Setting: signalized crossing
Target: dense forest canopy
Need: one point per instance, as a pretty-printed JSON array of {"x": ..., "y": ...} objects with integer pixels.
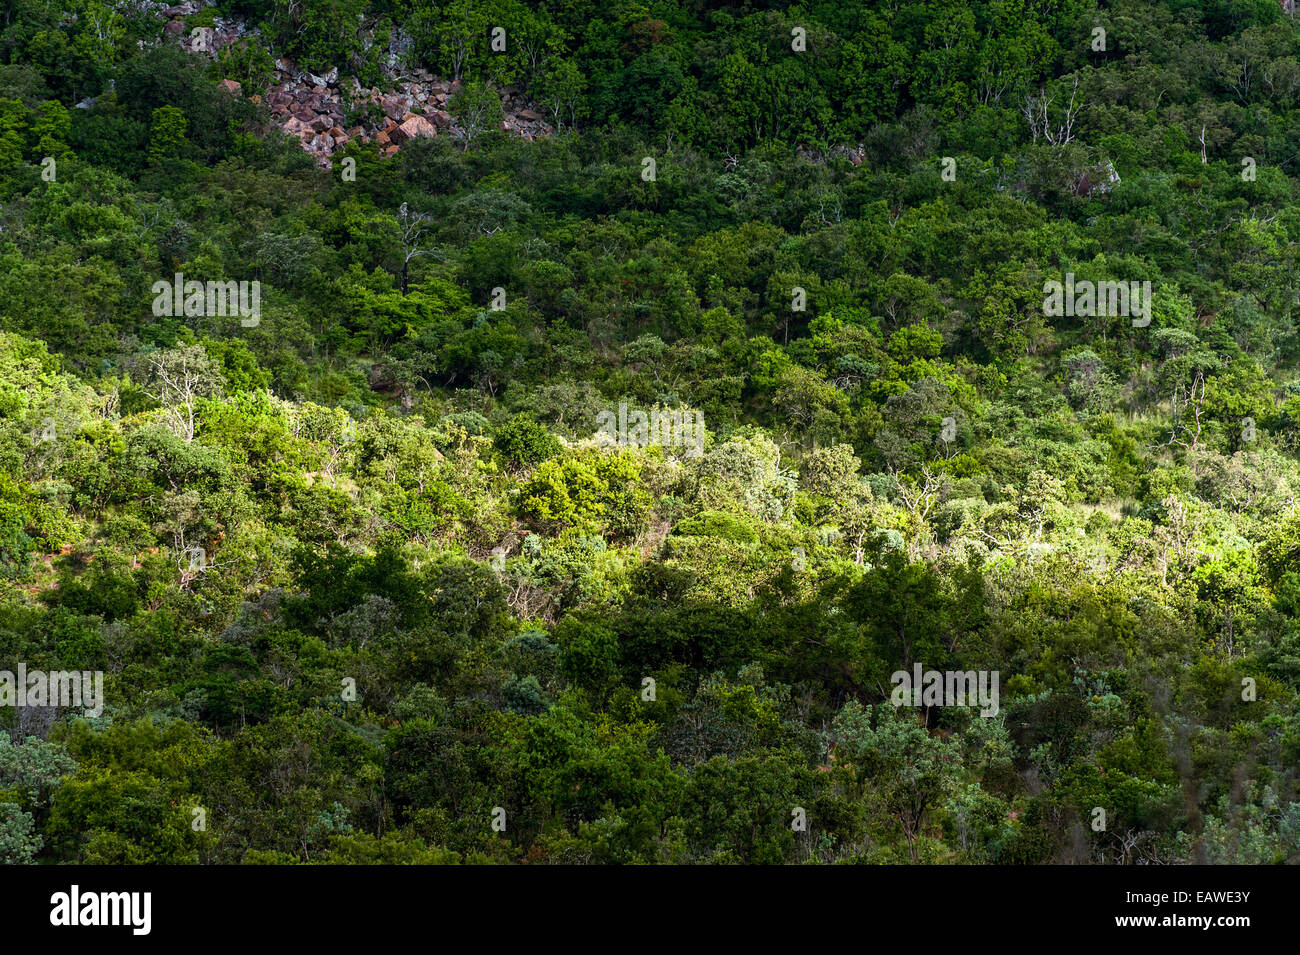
[{"x": 574, "y": 497}]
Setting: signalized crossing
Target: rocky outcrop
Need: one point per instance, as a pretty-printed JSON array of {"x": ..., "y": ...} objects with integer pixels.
[
  {"x": 325, "y": 113},
  {"x": 856, "y": 155}
]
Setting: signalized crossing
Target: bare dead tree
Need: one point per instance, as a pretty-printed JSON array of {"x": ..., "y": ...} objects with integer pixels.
[
  {"x": 177, "y": 378},
  {"x": 1036, "y": 110},
  {"x": 1239, "y": 78},
  {"x": 920, "y": 496},
  {"x": 414, "y": 228},
  {"x": 1193, "y": 399}
]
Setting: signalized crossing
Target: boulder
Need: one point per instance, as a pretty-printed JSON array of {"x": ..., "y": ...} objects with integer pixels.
[
  {"x": 296, "y": 127},
  {"x": 415, "y": 126},
  {"x": 231, "y": 86},
  {"x": 531, "y": 115}
]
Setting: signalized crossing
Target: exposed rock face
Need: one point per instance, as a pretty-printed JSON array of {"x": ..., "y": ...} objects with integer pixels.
[
  {"x": 1098, "y": 179},
  {"x": 312, "y": 106},
  {"x": 854, "y": 154}
]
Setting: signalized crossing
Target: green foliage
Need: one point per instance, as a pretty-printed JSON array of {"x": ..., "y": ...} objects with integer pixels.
[
  {"x": 365, "y": 571},
  {"x": 167, "y": 134}
]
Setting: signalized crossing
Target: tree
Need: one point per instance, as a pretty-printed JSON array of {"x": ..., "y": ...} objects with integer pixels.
[
  {"x": 477, "y": 109},
  {"x": 563, "y": 89},
  {"x": 178, "y": 378},
  {"x": 13, "y": 125},
  {"x": 167, "y": 134},
  {"x": 51, "y": 129},
  {"x": 414, "y": 228},
  {"x": 913, "y": 772},
  {"x": 522, "y": 442},
  {"x": 19, "y": 840}
]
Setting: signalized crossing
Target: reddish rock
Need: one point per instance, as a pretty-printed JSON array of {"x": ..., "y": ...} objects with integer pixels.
[
  {"x": 416, "y": 126},
  {"x": 255, "y": 98},
  {"x": 381, "y": 137},
  {"x": 531, "y": 115},
  {"x": 296, "y": 127},
  {"x": 231, "y": 86},
  {"x": 440, "y": 118},
  {"x": 390, "y": 151}
]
